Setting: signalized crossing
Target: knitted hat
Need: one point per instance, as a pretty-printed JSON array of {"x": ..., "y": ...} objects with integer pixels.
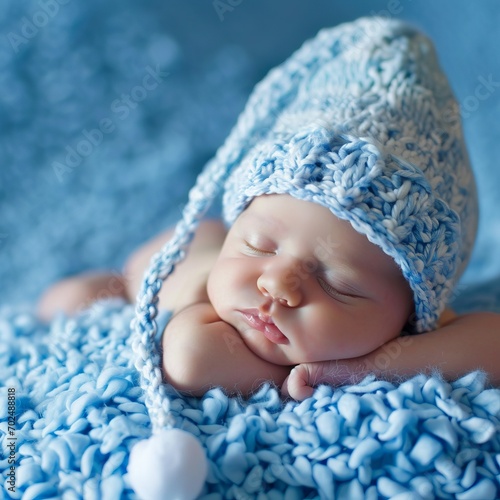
[{"x": 361, "y": 120}]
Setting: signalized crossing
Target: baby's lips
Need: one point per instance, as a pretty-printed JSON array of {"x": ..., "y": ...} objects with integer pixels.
[
  {"x": 266, "y": 318},
  {"x": 264, "y": 324}
]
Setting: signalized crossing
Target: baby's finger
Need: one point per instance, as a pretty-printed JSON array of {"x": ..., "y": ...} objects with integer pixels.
[{"x": 296, "y": 385}]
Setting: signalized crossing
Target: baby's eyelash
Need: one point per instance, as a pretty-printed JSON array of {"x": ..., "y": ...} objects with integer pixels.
[
  {"x": 256, "y": 250},
  {"x": 331, "y": 290}
]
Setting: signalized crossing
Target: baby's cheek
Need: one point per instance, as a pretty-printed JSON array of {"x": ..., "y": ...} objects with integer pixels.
[
  {"x": 231, "y": 285},
  {"x": 213, "y": 285},
  {"x": 220, "y": 286}
]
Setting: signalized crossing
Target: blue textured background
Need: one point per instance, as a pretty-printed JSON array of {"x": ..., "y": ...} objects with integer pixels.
[{"x": 64, "y": 68}]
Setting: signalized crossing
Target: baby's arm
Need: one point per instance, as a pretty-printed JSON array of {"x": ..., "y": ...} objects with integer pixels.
[
  {"x": 201, "y": 351},
  {"x": 465, "y": 343}
]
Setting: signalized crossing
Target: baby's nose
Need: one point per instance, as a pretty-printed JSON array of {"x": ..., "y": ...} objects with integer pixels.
[{"x": 278, "y": 285}]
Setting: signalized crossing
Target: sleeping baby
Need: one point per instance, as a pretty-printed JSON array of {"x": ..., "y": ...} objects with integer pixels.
[{"x": 349, "y": 214}]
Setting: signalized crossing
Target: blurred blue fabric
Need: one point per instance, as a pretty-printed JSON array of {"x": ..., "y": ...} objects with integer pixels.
[{"x": 108, "y": 110}]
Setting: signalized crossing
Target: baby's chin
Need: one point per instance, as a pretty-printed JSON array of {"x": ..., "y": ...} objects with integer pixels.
[{"x": 263, "y": 348}]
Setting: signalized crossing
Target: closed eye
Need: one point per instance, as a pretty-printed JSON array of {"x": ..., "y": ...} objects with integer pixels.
[
  {"x": 332, "y": 291},
  {"x": 257, "y": 251}
]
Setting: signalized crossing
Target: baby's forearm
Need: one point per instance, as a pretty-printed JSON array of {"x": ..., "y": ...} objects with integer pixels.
[
  {"x": 201, "y": 351},
  {"x": 469, "y": 342}
]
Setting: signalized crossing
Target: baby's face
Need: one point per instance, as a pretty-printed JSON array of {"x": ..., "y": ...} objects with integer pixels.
[{"x": 301, "y": 285}]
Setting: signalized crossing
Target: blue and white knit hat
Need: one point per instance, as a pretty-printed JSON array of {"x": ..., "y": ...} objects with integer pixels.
[{"x": 361, "y": 120}]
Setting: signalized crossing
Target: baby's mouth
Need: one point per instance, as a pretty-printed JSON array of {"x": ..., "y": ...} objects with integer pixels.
[{"x": 265, "y": 324}]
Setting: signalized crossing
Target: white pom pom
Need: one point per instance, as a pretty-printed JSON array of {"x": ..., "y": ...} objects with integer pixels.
[{"x": 170, "y": 464}]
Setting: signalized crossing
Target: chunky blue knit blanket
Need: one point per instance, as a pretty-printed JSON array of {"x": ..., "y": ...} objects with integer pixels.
[{"x": 79, "y": 410}]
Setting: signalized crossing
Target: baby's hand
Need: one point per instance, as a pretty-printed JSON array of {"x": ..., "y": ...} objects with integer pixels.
[{"x": 303, "y": 379}]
